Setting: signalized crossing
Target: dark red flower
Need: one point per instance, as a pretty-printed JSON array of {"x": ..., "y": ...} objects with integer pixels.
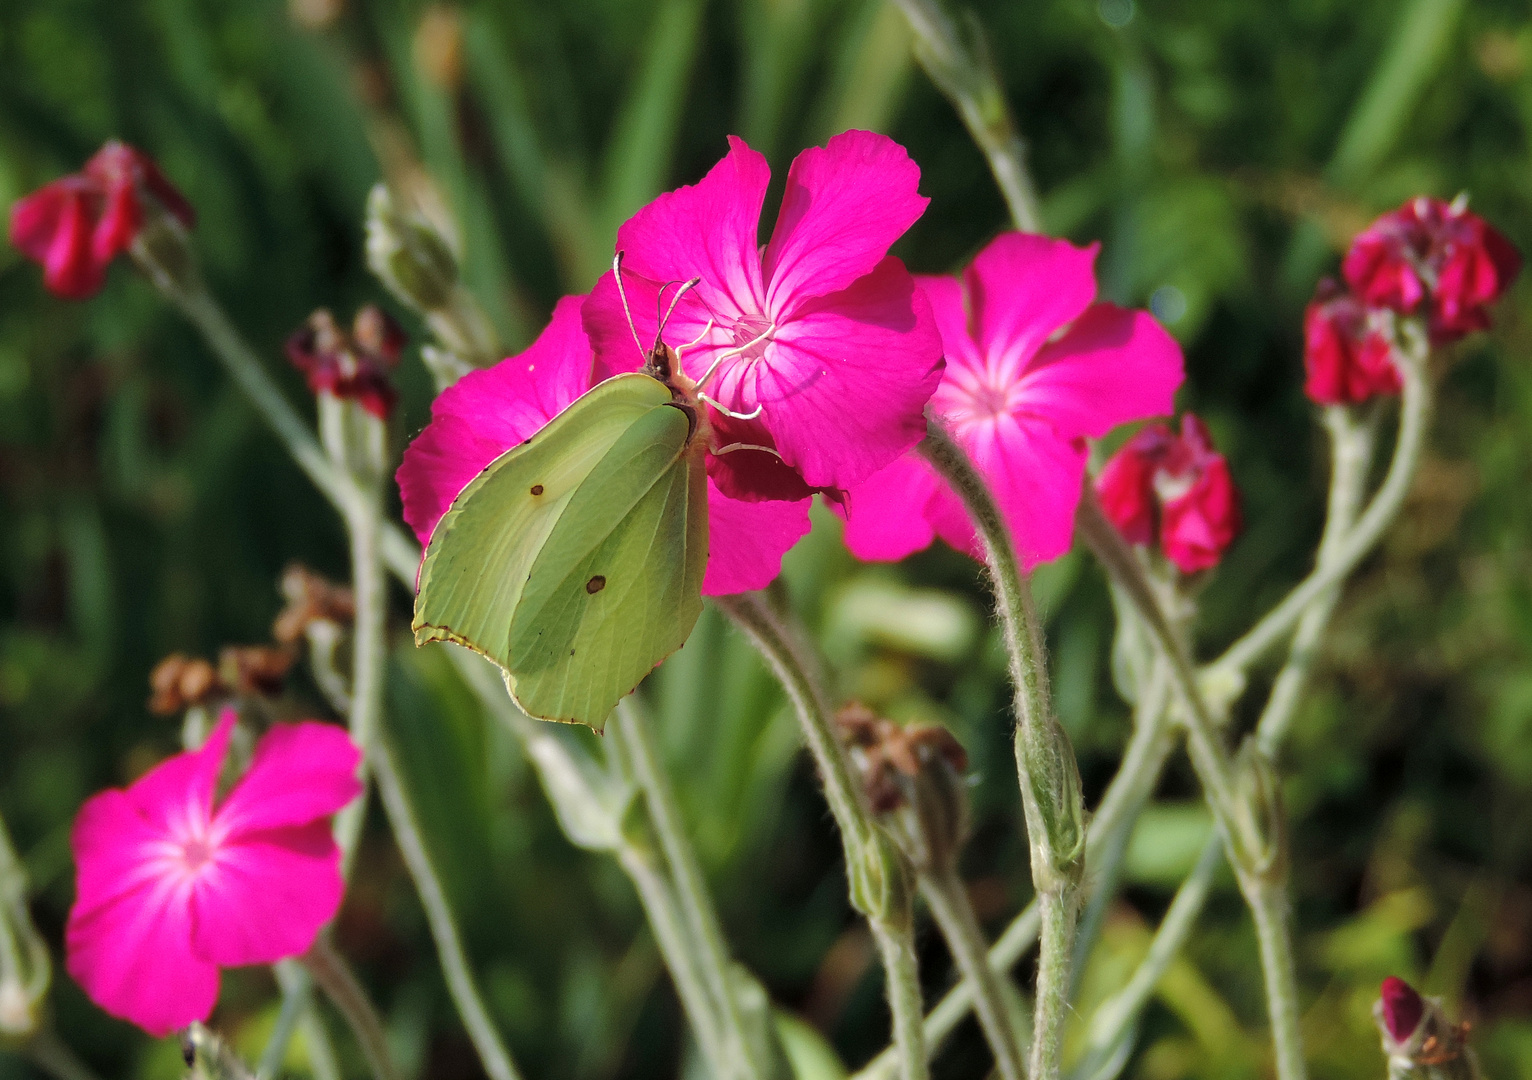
[
  {"x": 1175, "y": 489},
  {"x": 1403, "y": 1008},
  {"x": 1348, "y": 348},
  {"x": 76, "y": 225},
  {"x": 1436, "y": 251},
  {"x": 350, "y": 366}
]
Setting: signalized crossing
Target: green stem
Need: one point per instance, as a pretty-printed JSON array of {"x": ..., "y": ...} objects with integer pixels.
[
  {"x": 1050, "y": 778},
  {"x": 1351, "y": 452},
  {"x": 1414, "y": 419},
  {"x": 947, "y": 897},
  {"x": 54, "y": 1057},
  {"x": 1112, "y": 1025},
  {"x": 340, "y": 985},
  {"x": 1273, "y": 918},
  {"x": 433, "y": 897},
  {"x": 875, "y": 871},
  {"x": 696, "y": 903},
  {"x": 966, "y": 75},
  {"x": 296, "y": 984}
]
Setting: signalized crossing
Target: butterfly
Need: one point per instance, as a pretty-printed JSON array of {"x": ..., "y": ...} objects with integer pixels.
[{"x": 574, "y": 561}]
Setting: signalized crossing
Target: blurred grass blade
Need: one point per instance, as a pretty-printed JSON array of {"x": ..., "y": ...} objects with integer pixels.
[{"x": 870, "y": 70}]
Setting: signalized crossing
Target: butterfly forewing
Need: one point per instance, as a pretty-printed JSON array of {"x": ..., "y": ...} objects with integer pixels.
[
  {"x": 617, "y": 588},
  {"x": 482, "y": 550},
  {"x": 575, "y": 560}
]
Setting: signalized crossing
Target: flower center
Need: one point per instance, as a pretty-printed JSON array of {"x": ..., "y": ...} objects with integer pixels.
[
  {"x": 751, "y": 334},
  {"x": 990, "y": 402},
  {"x": 197, "y": 853}
]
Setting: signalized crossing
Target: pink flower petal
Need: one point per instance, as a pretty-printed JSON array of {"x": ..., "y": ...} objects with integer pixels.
[
  {"x": 1111, "y": 367},
  {"x": 116, "y": 851},
  {"x": 266, "y": 895},
  {"x": 746, "y": 541},
  {"x": 844, "y": 385},
  {"x": 485, "y": 413},
  {"x": 300, "y": 773},
  {"x": 611, "y": 337},
  {"x": 1036, "y": 478},
  {"x": 133, "y": 955},
  {"x": 176, "y": 796},
  {"x": 843, "y": 207},
  {"x": 951, "y": 311},
  {"x": 1021, "y": 289},
  {"x": 886, "y": 515},
  {"x": 711, "y": 229}
]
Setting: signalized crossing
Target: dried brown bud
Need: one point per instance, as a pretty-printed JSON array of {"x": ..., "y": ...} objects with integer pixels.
[
  {"x": 310, "y": 598},
  {"x": 180, "y": 681},
  {"x": 255, "y": 669}
]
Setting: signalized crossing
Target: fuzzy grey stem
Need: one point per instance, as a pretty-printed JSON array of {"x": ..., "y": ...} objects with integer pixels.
[
  {"x": 901, "y": 967},
  {"x": 340, "y": 985}
]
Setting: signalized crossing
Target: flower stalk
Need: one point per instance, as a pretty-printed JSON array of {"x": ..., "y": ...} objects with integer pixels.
[
  {"x": 875, "y": 869},
  {"x": 1050, "y": 778},
  {"x": 335, "y": 977}
]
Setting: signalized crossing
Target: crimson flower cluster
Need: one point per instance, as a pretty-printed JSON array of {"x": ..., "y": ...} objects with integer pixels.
[
  {"x": 354, "y": 365},
  {"x": 1431, "y": 259},
  {"x": 76, "y": 225},
  {"x": 1173, "y": 489}
]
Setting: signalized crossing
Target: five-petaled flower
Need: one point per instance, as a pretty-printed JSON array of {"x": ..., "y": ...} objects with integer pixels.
[
  {"x": 1348, "y": 348},
  {"x": 1174, "y": 489},
  {"x": 174, "y": 885},
  {"x": 76, "y": 225},
  {"x": 821, "y": 339},
  {"x": 1034, "y": 367},
  {"x": 352, "y": 366},
  {"x": 1436, "y": 252},
  {"x": 487, "y": 412}
]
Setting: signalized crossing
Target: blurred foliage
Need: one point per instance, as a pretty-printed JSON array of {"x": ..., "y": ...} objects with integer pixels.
[{"x": 1221, "y": 151}]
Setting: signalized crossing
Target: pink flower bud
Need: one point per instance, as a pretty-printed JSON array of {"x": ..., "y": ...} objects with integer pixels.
[
  {"x": 76, "y": 225},
  {"x": 1348, "y": 349},
  {"x": 1175, "y": 489},
  {"x": 1403, "y": 1008},
  {"x": 1438, "y": 252},
  {"x": 350, "y": 366}
]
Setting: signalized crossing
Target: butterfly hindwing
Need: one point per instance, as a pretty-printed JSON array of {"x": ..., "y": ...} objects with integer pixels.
[{"x": 609, "y": 489}]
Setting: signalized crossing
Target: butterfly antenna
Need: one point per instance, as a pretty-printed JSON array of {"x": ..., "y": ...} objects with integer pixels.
[
  {"x": 751, "y": 415},
  {"x": 623, "y": 296},
  {"x": 686, "y": 287}
]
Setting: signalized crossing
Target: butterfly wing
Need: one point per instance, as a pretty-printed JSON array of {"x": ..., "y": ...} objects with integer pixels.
[
  {"x": 610, "y": 482},
  {"x": 617, "y": 586}
]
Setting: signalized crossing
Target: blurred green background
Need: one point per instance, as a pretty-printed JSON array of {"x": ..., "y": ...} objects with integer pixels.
[{"x": 1222, "y": 152}]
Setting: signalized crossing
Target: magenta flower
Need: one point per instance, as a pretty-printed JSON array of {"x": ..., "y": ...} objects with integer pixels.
[
  {"x": 173, "y": 887},
  {"x": 1403, "y": 1008},
  {"x": 486, "y": 413},
  {"x": 1175, "y": 490},
  {"x": 1348, "y": 348},
  {"x": 1034, "y": 368},
  {"x": 821, "y": 336},
  {"x": 1435, "y": 251},
  {"x": 76, "y": 225}
]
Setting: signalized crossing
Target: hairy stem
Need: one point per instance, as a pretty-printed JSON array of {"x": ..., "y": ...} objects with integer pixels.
[
  {"x": 696, "y": 903},
  {"x": 1050, "y": 778},
  {"x": 964, "y": 72},
  {"x": 876, "y": 872},
  {"x": 340, "y": 985},
  {"x": 1414, "y": 419},
  {"x": 947, "y": 897},
  {"x": 296, "y": 985}
]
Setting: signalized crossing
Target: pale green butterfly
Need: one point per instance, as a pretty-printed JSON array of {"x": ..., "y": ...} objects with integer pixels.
[{"x": 575, "y": 560}]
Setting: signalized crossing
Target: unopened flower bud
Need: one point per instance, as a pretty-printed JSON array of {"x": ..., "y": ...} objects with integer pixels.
[
  {"x": 1418, "y": 1038},
  {"x": 255, "y": 670},
  {"x": 310, "y": 599},
  {"x": 178, "y": 682},
  {"x": 17, "y": 1017},
  {"x": 1348, "y": 348},
  {"x": 407, "y": 254}
]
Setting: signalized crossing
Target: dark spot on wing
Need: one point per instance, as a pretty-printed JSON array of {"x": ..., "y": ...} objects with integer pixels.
[
  {"x": 537, "y": 489},
  {"x": 596, "y": 584}
]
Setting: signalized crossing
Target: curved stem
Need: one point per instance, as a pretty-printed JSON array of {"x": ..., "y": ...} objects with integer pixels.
[
  {"x": 1351, "y": 451},
  {"x": 296, "y": 984},
  {"x": 965, "y": 74},
  {"x": 874, "y": 870},
  {"x": 1414, "y": 419},
  {"x": 947, "y": 897},
  {"x": 340, "y": 984},
  {"x": 690, "y": 885},
  {"x": 1112, "y": 1023},
  {"x": 449, "y": 943},
  {"x": 54, "y": 1057},
  {"x": 1050, "y": 779}
]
